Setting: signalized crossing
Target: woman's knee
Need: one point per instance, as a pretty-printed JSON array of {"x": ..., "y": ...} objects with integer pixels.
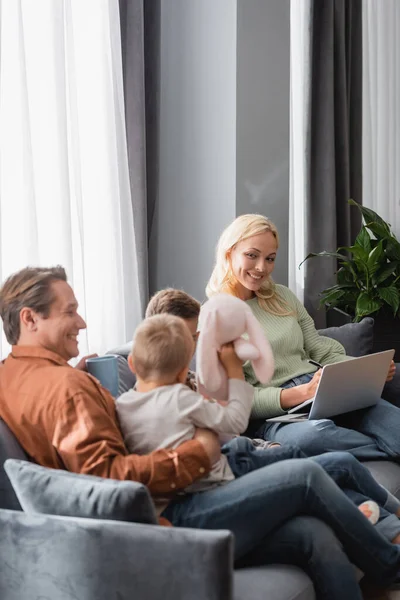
[{"x": 313, "y": 434}]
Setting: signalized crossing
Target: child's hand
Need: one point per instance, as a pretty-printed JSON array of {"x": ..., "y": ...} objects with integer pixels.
[{"x": 230, "y": 361}]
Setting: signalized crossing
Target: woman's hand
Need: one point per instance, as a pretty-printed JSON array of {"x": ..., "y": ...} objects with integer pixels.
[
  {"x": 230, "y": 361},
  {"x": 392, "y": 371},
  {"x": 300, "y": 393}
]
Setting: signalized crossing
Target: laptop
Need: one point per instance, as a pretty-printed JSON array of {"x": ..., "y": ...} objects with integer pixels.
[{"x": 344, "y": 387}]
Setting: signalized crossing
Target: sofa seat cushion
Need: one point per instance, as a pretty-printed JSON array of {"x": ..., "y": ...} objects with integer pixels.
[
  {"x": 57, "y": 492},
  {"x": 275, "y": 582},
  {"x": 387, "y": 473}
]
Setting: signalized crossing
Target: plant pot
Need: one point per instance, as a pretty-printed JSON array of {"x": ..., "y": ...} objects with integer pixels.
[{"x": 386, "y": 329}]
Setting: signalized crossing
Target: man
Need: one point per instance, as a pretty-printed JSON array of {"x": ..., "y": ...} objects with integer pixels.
[
  {"x": 71, "y": 422},
  {"x": 65, "y": 419}
]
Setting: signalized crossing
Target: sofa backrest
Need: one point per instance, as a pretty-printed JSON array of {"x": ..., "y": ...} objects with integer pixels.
[{"x": 9, "y": 448}]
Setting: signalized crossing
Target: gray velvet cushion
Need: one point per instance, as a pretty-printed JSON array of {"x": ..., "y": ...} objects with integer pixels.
[
  {"x": 61, "y": 558},
  {"x": 357, "y": 338},
  {"x": 57, "y": 492},
  {"x": 273, "y": 582},
  {"x": 122, "y": 350}
]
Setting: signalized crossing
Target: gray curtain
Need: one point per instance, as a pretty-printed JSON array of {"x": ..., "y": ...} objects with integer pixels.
[
  {"x": 140, "y": 45},
  {"x": 334, "y": 142}
]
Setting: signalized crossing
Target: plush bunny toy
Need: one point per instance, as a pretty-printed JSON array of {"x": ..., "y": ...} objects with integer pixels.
[{"x": 225, "y": 319}]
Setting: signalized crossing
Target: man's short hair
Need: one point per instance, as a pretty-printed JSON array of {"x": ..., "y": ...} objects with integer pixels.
[
  {"x": 173, "y": 302},
  {"x": 162, "y": 348},
  {"x": 31, "y": 288}
]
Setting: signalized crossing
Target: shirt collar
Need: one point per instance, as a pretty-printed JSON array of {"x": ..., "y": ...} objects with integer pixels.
[{"x": 37, "y": 352}]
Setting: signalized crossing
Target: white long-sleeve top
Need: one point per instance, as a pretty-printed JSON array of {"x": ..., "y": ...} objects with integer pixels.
[{"x": 167, "y": 416}]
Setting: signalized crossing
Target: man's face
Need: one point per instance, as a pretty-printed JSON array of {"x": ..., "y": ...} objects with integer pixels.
[
  {"x": 193, "y": 324},
  {"x": 59, "y": 331}
]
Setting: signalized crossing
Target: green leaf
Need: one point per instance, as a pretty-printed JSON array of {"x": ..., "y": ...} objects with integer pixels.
[
  {"x": 381, "y": 232},
  {"x": 324, "y": 254},
  {"x": 363, "y": 240},
  {"x": 370, "y": 216},
  {"x": 332, "y": 296},
  {"x": 344, "y": 276},
  {"x": 391, "y": 295},
  {"x": 375, "y": 258},
  {"x": 356, "y": 251},
  {"x": 385, "y": 273},
  {"x": 392, "y": 249},
  {"x": 366, "y": 305}
]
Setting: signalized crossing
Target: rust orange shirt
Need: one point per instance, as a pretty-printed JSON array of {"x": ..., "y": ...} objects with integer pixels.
[{"x": 64, "y": 419}]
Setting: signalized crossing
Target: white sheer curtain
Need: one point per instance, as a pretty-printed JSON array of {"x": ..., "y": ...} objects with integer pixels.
[
  {"x": 381, "y": 109},
  {"x": 64, "y": 181},
  {"x": 300, "y": 11}
]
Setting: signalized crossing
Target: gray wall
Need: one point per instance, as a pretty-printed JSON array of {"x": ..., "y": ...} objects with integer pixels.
[
  {"x": 197, "y": 141},
  {"x": 263, "y": 88},
  {"x": 224, "y": 131}
]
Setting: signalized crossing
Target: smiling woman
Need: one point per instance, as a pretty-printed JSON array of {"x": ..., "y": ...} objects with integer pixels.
[{"x": 245, "y": 260}]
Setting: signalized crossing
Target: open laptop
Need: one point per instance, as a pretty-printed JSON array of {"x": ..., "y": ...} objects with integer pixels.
[{"x": 346, "y": 386}]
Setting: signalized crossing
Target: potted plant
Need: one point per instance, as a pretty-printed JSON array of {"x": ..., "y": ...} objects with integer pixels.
[{"x": 368, "y": 281}]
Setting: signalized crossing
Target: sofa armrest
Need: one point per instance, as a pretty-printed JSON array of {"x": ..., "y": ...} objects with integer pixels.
[{"x": 87, "y": 559}]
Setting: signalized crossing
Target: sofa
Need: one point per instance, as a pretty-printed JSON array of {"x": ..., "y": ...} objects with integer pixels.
[
  {"x": 80, "y": 553},
  {"x": 56, "y": 557}
]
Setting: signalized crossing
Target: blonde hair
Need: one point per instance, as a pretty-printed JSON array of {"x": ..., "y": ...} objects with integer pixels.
[
  {"x": 223, "y": 280},
  {"x": 162, "y": 348}
]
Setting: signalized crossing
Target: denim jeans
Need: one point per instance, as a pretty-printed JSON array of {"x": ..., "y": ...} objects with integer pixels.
[
  {"x": 254, "y": 507},
  {"x": 348, "y": 473},
  {"x": 369, "y": 434}
]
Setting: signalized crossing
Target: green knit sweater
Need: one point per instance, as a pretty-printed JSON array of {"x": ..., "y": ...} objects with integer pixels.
[{"x": 293, "y": 340}]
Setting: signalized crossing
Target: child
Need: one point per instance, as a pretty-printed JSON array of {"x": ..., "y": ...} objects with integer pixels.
[
  {"x": 162, "y": 412},
  {"x": 180, "y": 304},
  {"x": 177, "y": 302}
]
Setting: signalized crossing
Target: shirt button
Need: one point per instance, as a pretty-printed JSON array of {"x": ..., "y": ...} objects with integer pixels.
[
  {"x": 202, "y": 470},
  {"x": 173, "y": 485}
]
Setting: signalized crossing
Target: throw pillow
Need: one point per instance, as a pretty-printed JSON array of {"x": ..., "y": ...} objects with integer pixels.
[
  {"x": 357, "y": 338},
  {"x": 57, "y": 492}
]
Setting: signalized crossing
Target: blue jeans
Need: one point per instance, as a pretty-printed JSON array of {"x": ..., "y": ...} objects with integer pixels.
[
  {"x": 348, "y": 473},
  {"x": 369, "y": 434},
  {"x": 261, "y": 507}
]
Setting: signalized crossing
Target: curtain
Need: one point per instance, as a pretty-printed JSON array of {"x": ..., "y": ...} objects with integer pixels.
[
  {"x": 64, "y": 181},
  {"x": 334, "y": 153},
  {"x": 300, "y": 30},
  {"x": 381, "y": 100},
  {"x": 140, "y": 41}
]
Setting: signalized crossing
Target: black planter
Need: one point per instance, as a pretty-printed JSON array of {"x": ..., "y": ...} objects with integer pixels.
[{"x": 386, "y": 329}]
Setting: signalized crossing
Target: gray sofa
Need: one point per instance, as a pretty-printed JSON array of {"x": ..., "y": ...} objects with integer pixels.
[
  {"x": 71, "y": 558},
  {"x": 74, "y": 558}
]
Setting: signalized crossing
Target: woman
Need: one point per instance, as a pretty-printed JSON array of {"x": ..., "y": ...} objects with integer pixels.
[{"x": 245, "y": 260}]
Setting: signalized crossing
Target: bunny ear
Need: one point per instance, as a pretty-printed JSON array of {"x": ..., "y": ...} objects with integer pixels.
[
  {"x": 209, "y": 375},
  {"x": 264, "y": 365}
]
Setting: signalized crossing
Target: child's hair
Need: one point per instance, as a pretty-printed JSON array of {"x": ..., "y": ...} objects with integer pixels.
[
  {"x": 173, "y": 302},
  {"x": 222, "y": 279},
  {"x": 162, "y": 348}
]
